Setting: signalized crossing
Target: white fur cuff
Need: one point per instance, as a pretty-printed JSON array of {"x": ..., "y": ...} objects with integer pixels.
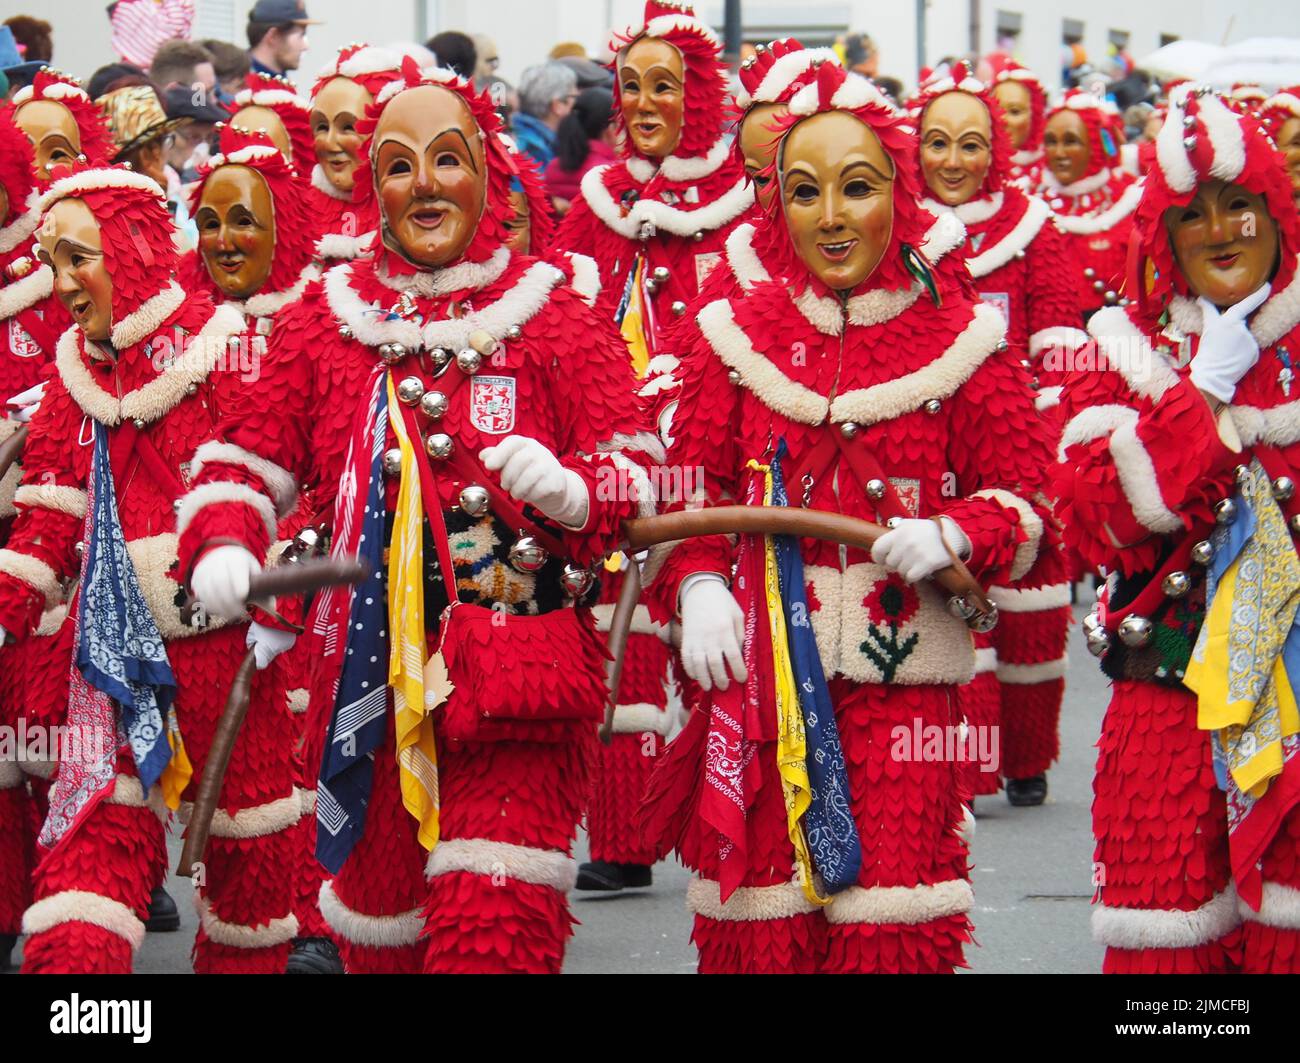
[
  {"x": 748, "y": 903},
  {"x": 372, "y": 931},
  {"x": 1158, "y": 928},
  {"x": 478, "y": 856},
  {"x": 82, "y": 906},
  {"x": 901, "y": 905},
  {"x": 236, "y": 936}
]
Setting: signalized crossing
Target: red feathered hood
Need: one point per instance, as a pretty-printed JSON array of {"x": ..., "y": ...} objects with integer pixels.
[
  {"x": 92, "y": 126},
  {"x": 1099, "y": 118},
  {"x": 1007, "y": 69},
  {"x": 960, "y": 79},
  {"x": 17, "y": 176},
  {"x": 279, "y": 95}
]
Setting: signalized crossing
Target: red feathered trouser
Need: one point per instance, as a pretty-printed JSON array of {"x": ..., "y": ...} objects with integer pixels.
[
  {"x": 491, "y": 897},
  {"x": 980, "y": 705},
  {"x": 622, "y": 769},
  {"x": 1167, "y": 902},
  {"x": 908, "y": 912},
  {"x": 92, "y": 891},
  {"x": 308, "y": 875}
]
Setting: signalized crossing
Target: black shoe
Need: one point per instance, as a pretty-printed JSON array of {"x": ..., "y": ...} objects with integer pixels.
[
  {"x": 7, "y": 943},
  {"x": 635, "y": 875},
  {"x": 163, "y": 916},
  {"x": 1025, "y": 793},
  {"x": 314, "y": 956},
  {"x": 602, "y": 876}
]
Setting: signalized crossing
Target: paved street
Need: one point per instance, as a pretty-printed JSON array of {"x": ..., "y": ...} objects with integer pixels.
[{"x": 1032, "y": 874}]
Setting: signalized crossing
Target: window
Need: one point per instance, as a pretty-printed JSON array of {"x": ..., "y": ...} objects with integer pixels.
[
  {"x": 1167, "y": 38},
  {"x": 1071, "y": 31},
  {"x": 1119, "y": 38},
  {"x": 1007, "y": 32}
]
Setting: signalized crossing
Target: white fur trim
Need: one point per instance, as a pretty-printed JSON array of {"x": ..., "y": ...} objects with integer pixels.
[
  {"x": 879, "y": 305},
  {"x": 1279, "y": 314},
  {"x": 786, "y": 70},
  {"x": 669, "y": 25},
  {"x": 368, "y": 60},
  {"x": 771, "y": 386},
  {"x": 478, "y": 856},
  {"x": 695, "y": 168},
  {"x": 24, "y": 225},
  {"x": 986, "y": 659},
  {"x": 642, "y": 624},
  {"x": 148, "y": 318},
  {"x": 1057, "y": 336},
  {"x": 51, "y": 620},
  {"x": 1283, "y": 101},
  {"x": 1279, "y": 907},
  {"x": 69, "y": 500},
  {"x": 642, "y": 718},
  {"x": 128, "y": 791},
  {"x": 259, "y": 820},
  {"x": 1020, "y": 237},
  {"x": 649, "y": 215},
  {"x": 306, "y": 802},
  {"x": 900, "y": 905},
  {"x": 1029, "y": 674},
  {"x": 1161, "y": 928},
  {"x": 1048, "y": 398},
  {"x": 35, "y": 574},
  {"x": 279, "y": 482},
  {"x": 938, "y": 380},
  {"x": 431, "y": 75},
  {"x": 857, "y": 92},
  {"x": 215, "y": 494},
  {"x": 299, "y": 699},
  {"x": 946, "y": 234},
  {"x": 586, "y": 277},
  {"x": 25, "y": 292},
  {"x": 747, "y": 904},
  {"x": 1129, "y": 353},
  {"x": 154, "y": 557},
  {"x": 40, "y": 769},
  {"x": 244, "y": 156},
  {"x": 321, "y": 183},
  {"x": 1030, "y": 599},
  {"x": 746, "y": 266},
  {"x": 268, "y": 304},
  {"x": 637, "y": 477},
  {"x": 973, "y": 211},
  {"x": 237, "y": 936},
  {"x": 1171, "y": 155},
  {"x": 97, "y": 180},
  {"x": 373, "y": 931},
  {"x": 344, "y": 248},
  {"x": 1082, "y": 187},
  {"x": 82, "y": 906},
  {"x": 1226, "y": 138},
  {"x": 1137, "y": 475},
  {"x": 1083, "y": 225},
  {"x": 269, "y": 98},
  {"x": 439, "y": 282},
  {"x": 1026, "y": 552}
]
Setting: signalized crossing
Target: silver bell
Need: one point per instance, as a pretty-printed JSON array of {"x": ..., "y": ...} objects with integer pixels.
[
  {"x": 661, "y": 274},
  {"x": 441, "y": 356},
  {"x": 1135, "y": 631},
  {"x": 1283, "y": 488},
  {"x": 468, "y": 361},
  {"x": 1189, "y": 121},
  {"x": 848, "y": 429},
  {"x": 1002, "y": 345},
  {"x": 1176, "y": 584},
  {"x": 960, "y": 608},
  {"x": 1096, "y": 636},
  {"x": 1242, "y": 472},
  {"x": 527, "y": 555},
  {"x": 699, "y": 236},
  {"x": 1090, "y": 273},
  {"x": 933, "y": 406},
  {"x": 140, "y": 424},
  {"x": 410, "y": 390},
  {"x": 433, "y": 404},
  {"x": 983, "y": 623},
  {"x": 733, "y": 378},
  {"x": 514, "y": 332},
  {"x": 306, "y": 541},
  {"x": 1294, "y": 522},
  {"x": 1098, "y": 286},
  {"x": 1111, "y": 298},
  {"x": 1225, "y": 512},
  {"x": 679, "y": 308},
  {"x": 474, "y": 500},
  {"x": 893, "y": 522},
  {"x": 439, "y": 445},
  {"x": 392, "y": 352},
  {"x": 345, "y": 331},
  {"x": 392, "y": 461},
  {"x": 176, "y": 505},
  {"x": 1190, "y": 142},
  {"x": 652, "y": 286},
  {"x": 1203, "y": 552},
  {"x": 576, "y": 581},
  {"x": 876, "y": 489}
]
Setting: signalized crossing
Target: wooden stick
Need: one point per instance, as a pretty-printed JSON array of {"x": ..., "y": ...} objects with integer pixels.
[{"x": 619, "y": 626}]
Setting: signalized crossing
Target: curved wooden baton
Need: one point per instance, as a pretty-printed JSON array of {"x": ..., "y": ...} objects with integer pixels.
[
  {"x": 619, "y": 626},
  {"x": 300, "y": 578}
]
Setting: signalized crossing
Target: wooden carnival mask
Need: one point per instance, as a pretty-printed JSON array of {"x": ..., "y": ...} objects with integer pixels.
[
  {"x": 1288, "y": 143},
  {"x": 334, "y": 115},
  {"x": 71, "y": 245},
  {"x": 758, "y": 140},
  {"x": 652, "y": 85},
  {"x": 1066, "y": 147},
  {"x": 837, "y": 190},
  {"x": 265, "y": 120},
  {"x": 236, "y": 221},
  {"x": 520, "y": 225},
  {"x": 1017, "y": 111},
  {"x": 56, "y": 140},
  {"x": 956, "y": 147},
  {"x": 431, "y": 175},
  {"x": 1225, "y": 243}
]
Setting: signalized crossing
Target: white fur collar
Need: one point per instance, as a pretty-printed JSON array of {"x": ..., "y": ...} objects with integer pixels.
[
  {"x": 1085, "y": 224},
  {"x": 204, "y": 351},
  {"x": 268, "y": 304},
  {"x": 1278, "y": 316},
  {"x": 1081, "y": 187},
  {"x": 458, "y": 278},
  {"x": 22, "y": 226},
  {"x": 345, "y": 248},
  {"x": 1026, "y": 156},
  {"x": 514, "y": 309},
  {"x": 864, "y": 406},
  {"x": 973, "y": 211},
  {"x": 28, "y": 290},
  {"x": 647, "y": 216},
  {"x": 1021, "y": 235},
  {"x": 148, "y": 318},
  {"x": 322, "y": 184},
  {"x": 1129, "y": 353},
  {"x": 678, "y": 168}
]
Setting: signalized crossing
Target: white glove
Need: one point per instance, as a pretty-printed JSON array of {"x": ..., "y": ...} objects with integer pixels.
[
  {"x": 268, "y": 643},
  {"x": 28, "y": 402},
  {"x": 713, "y": 630},
  {"x": 533, "y": 475},
  {"x": 221, "y": 580},
  {"x": 914, "y": 548},
  {"x": 1227, "y": 350}
]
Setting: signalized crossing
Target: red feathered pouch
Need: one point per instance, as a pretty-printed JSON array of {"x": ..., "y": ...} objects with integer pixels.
[{"x": 515, "y": 676}]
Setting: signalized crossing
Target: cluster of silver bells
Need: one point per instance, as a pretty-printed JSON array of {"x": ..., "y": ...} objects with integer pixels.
[{"x": 981, "y": 623}]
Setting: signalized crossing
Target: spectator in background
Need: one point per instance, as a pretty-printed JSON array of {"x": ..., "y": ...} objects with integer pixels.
[
  {"x": 584, "y": 139},
  {"x": 192, "y": 144},
  {"x": 590, "y": 74},
  {"x": 183, "y": 63},
  {"x": 140, "y": 26},
  {"x": 232, "y": 66},
  {"x": 277, "y": 36},
  {"x": 891, "y": 87},
  {"x": 568, "y": 50},
  {"x": 34, "y": 36},
  {"x": 115, "y": 76},
  {"x": 455, "y": 51},
  {"x": 485, "y": 70},
  {"x": 16, "y": 71},
  {"x": 859, "y": 54},
  {"x": 546, "y": 96}
]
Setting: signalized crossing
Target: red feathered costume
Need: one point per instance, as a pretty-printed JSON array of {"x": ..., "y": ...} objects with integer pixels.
[
  {"x": 911, "y": 378},
  {"x": 92, "y": 889},
  {"x": 279, "y": 95},
  {"x": 1186, "y": 880},
  {"x": 1019, "y": 261},
  {"x": 1096, "y": 210},
  {"x": 492, "y": 894},
  {"x": 1025, "y": 169}
]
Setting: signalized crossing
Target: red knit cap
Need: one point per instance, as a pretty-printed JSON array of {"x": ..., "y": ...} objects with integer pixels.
[
  {"x": 92, "y": 126},
  {"x": 279, "y": 95},
  {"x": 704, "y": 91},
  {"x": 293, "y": 223},
  {"x": 1103, "y": 145},
  {"x": 960, "y": 79},
  {"x": 1203, "y": 139}
]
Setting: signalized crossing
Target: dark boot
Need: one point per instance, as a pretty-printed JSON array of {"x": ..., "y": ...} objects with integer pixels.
[
  {"x": 163, "y": 916},
  {"x": 7, "y": 943},
  {"x": 1025, "y": 793},
  {"x": 603, "y": 876},
  {"x": 314, "y": 956}
]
